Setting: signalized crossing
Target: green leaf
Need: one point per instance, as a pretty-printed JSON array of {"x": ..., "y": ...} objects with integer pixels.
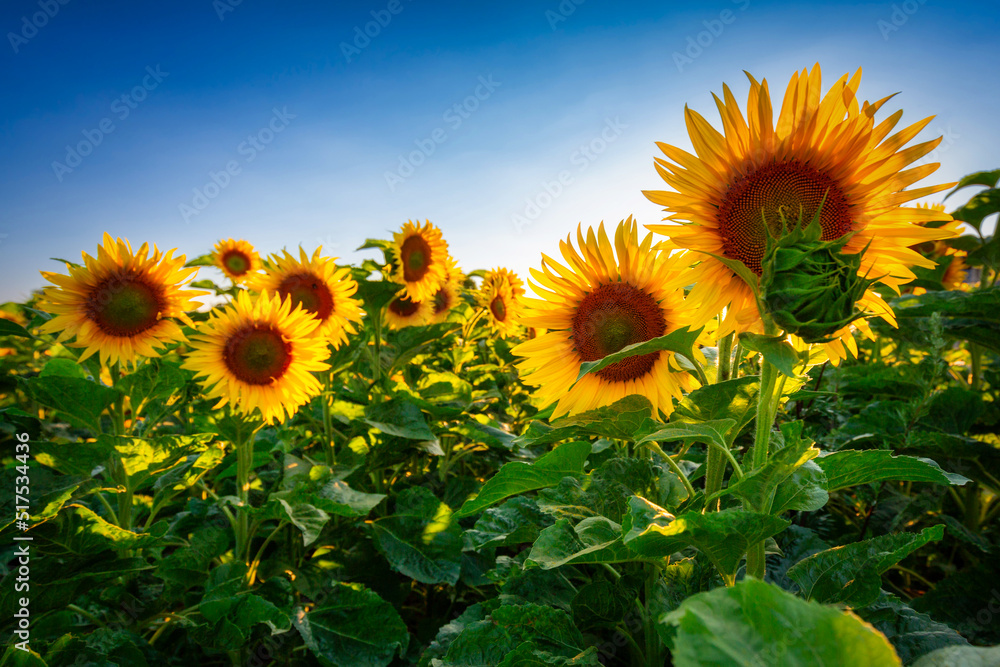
[
  {"x": 15, "y": 657},
  {"x": 421, "y": 540},
  {"x": 353, "y": 626},
  {"x": 852, "y": 574},
  {"x": 741, "y": 271},
  {"x": 150, "y": 388},
  {"x": 958, "y": 598},
  {"x": 528, "y": 655},
  {"x": 732, "y": 399},
  {"x": 961, "y": 656},
  {"x": 712, "y": 432},
  {"x": 67, "y": 368},
  {"x": 724, "y": 537},
  {"x": 986, "y": 178},
  {"x": 603, "y": 603},
  {"x": 681, "y": 341},
  {"x": 400, "y": 418},
  {"x": 79, "y": 530},
  {"x": 227, "y": 598},
  {"x": 758, "y": 488},
  {"x": 548, "y": 628},
  {"x": 755, "y": 623},
  {"x": 516, "y": 521},
  {"x": 980, "y": 206},
  {"x": 80, "y": 401},
  {"x": 621, "y": 420},
  {"x": 776, "y": 350},
  {"x": 200, "y": 260},
  {"x": 144, "y": 458},
  {"x": 912, "y": 634},
  {"x": 518, "y": 477},
  {"x": 852, "y": 467},
  {"x": 596, "y": 539},
  {"x": 972, "y": 316},
  {"x": 375, "y": 294}
]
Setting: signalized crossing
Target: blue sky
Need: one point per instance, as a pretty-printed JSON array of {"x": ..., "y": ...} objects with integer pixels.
[{"x": 506, "y": 124}]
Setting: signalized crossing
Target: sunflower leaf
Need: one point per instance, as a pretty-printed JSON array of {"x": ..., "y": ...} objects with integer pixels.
[
  {"x": 8, "y": 328},
  {"x": 776, "y": 350},
  {"x": 989, "y": 179},
  {"x": 681, "y": 341},
  {"x": 741, "y": 270},
  {"x": 201, "y": 260},
  {"x": 851, "y": 467}
]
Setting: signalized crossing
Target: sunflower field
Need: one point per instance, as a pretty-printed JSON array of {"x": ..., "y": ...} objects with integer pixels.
[{"x": 760, "y": 432}]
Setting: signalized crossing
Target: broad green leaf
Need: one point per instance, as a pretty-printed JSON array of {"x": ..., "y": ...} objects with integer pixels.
[
  {"x": 421, "y": 540},
  {"x": 593, "y": 540},
  {"x": 15, "y": 657},
  {"x": 226, "y": 597},
  {"x": 528, "y": 655},
  {"x": 606, "y": 491},
  {"x": 754, "y": 623},
  {"x": 306, "y": 517},
  {"x": 681, "y": 341},
  {"x": 80, "y": 401},
  {"x": 67, "y": 368},
  {"x": 400, "y": 418},
  {"x": 603, "y": 603},
  {"x": 961, "y": 656},
  {"x": 775, "y": 349},
  {"x": 912, "y": 634},
  {"x": 337, "y": 497},
  {"x": 741, "y": 270},
  {"x": 151, "y": 387},
  {"x": 352, "y": 626},
  {"x": 518, "y": 477},
  {"x": 9, "y": 328},
  {"x": 450, "y": 631},
  {"x": 201, "y": 260},
  {"x": 711, "y": 432},
  {"x": 979, "y": 207},
  {"x": 724, "y": 537},
  {"x": 621, "y": 420},
  {"x": 852, "y": 574},
  {"x": 973, "y": 316},
  {"x": 548, "y": 628},
  {"x": 144, "y": 458},
  {"x": 516, "y": 521},
  {"x": 48, "y": 493},
  {"x": 75, "y": 458},
  {"x": 79, "y": 530},
  {"x": 732, "y": 399},
  {"x": 804, "y": 490},
  {"x": 481, "y": 644},
  {"x": 759, "y": 487},
  {"x": 988, "y": 179},
  {"x": 852, "y": 467},
  {"x": 958, "y": 598}
]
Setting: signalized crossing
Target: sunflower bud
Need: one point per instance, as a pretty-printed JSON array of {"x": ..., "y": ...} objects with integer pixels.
[{"x": 809, "y": 287}]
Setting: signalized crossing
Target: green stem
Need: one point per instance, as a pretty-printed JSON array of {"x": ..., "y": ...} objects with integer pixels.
[
  {"x": 377, "y": 341},
  {"x": 700, "y": 370},
  {"x": 976, "y": 353},
  {"x": 725, "y": 357},
  {"x": 673, "y": 466},
  {"x": 252, "y": 572},
  {"x": 328, "y": 450},
  {"x": 107, "y": 506},
  {"x": 715, "y": 471},
  {"x": 766, "y": 410},
  {"x": 244, "y": 466}
]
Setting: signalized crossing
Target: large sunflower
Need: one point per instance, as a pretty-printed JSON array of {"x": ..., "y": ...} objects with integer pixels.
[
  {"x": 237, "y": 259},
  {"x": 595, "y": 305},
  {"x": 403, "y": 312},
  {"x": 756, "y": 174},
  {"x": 259, "y": 353},
  {"x": 121, "y": 303},
  {"x": 502, "y": 294},
  {"x": 447, "y": 295},
  {"x": 419, "y": 257},
  {"x": 318, "y": 286}
]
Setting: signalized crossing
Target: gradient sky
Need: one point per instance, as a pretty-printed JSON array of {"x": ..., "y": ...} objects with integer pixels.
[{"x": 558, "y": 80}]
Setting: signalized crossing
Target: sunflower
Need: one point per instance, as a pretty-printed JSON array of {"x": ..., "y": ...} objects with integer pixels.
[
  {"x": 823, "y": 149},
  {"x": 318, "y": 286},
  {"x": 259, "y": 353},
  {"x": 447, "y": 294},
  {"x": 403, "y": 312},
  {"x": 954, "y": 274},
  {"x": 501, "y": 294},
  {"x": 121, "y": 303},
  {"x": 595, "y": 305},
  {"x": 237, "y": 259},
  {"x": 419, "y": 257}
]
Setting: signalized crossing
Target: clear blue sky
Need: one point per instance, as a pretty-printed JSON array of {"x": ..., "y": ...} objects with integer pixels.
[{"x": 312, "y": 131}]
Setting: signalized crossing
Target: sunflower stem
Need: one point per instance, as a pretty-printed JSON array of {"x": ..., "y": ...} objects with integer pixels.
[
  {"x": 244, "y": 466},
  {"x": 766, "y": 410},
  {"x": 655, "y": 446},
  {"x": 725, "y": 357},
  {"x": 328, "y": 450},
  {"x": 976, "y": 354},
  {"x": 377, "y": 342}
]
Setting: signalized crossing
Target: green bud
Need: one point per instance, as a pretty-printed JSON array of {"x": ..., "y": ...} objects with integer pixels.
[{"x": 808, "y": 286}]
